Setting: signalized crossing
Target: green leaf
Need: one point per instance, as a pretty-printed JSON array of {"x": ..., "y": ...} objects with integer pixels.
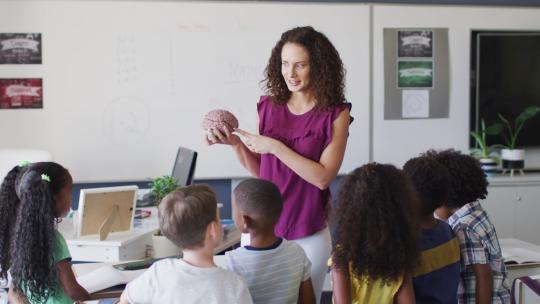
[
  {"x": 494, "y": 129},
  {"x": 480, "y": 142},
  {"x": 507, "y": 137},
  {"x": 163, "y": 185},
  {"x": 478, "y": 139},
  {"x": 527, "y": 114},
  {"x": 504, "y": 120}
]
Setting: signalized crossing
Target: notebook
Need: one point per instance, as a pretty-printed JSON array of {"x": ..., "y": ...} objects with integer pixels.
[
  {"x": 107, "y": 276},
  {"x": 520, "y": 256}
]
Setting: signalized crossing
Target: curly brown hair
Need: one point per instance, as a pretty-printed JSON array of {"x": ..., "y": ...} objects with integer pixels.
[
  {"x": 374, "y": 224},
  {"x": 468, "y": 181},
  {"x": 430, "y": 180},
  {"x": 326, "y": 75}
]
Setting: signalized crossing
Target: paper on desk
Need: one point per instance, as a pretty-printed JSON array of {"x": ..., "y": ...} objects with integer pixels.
[
  {"x": 518, "y": 255},
  {"x": 415, "y": 103},
  {"x": 107, "y": 276}
]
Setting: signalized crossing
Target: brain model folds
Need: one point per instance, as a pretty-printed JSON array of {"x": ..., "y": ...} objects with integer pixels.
[{"x": 218, "y": 119}]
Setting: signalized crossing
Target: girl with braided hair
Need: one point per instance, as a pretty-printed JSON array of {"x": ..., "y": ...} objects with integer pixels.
[{"x": 33, "y": 198}]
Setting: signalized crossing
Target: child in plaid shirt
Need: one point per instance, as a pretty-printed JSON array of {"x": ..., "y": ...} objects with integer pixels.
[{"x": 483, "y": 274}]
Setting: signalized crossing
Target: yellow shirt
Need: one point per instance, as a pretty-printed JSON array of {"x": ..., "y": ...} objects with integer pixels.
[{"x": 364, "y": 290}]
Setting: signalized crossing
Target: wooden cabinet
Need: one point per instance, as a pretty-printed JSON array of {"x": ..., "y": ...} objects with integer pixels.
[{"x": 513, "y": 205}]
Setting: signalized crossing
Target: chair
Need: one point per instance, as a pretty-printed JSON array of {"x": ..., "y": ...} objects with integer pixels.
[
  {"x": 9, "y": 158},
  {"x": 526, "y": 290}
]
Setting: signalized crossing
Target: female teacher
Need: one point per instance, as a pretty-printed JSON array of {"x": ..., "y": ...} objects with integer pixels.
[{"x": 303, "y": 127}]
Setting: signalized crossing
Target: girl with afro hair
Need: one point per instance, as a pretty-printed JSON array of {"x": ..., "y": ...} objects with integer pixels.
[{"x": 375, "y": 250}]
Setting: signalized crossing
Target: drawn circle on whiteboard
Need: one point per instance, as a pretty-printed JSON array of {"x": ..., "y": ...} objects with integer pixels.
[{"x": 126, "y": 119}]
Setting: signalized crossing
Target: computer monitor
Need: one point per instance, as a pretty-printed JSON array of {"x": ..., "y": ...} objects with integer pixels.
[
  {"x": 184, "y": 166},
  {"x": 105, "y": 210}
]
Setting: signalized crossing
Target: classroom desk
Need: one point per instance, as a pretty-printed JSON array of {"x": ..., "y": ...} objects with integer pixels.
[
  {"x": 520, "y": 270},
  {"x": 139, "y": 242}
]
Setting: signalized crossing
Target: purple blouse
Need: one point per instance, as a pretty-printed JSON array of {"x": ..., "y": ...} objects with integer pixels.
[{"x": 307, "y": 134}]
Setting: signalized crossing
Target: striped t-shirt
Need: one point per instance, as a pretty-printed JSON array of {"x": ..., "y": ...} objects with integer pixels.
[
  {"x": 437, "y": 277},
  {"x": 274, "y": 274}
]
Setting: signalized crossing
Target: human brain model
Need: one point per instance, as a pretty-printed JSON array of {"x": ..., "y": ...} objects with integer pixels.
[{"x": 219, "y": 119}]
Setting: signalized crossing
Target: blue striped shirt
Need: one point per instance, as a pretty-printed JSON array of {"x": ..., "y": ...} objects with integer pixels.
[
  {"x": 273, "y": 275},
  {"x": 436, "y": 278}
]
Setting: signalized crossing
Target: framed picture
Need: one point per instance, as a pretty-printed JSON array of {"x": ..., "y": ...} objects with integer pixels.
[
  {"x": 416, "y": 43},
  {"x": 106, "y": 210},
  {"x": 20, "y": 48},
  {"x": 415, "y": 74},
  {"x": 21, "y": 93}
]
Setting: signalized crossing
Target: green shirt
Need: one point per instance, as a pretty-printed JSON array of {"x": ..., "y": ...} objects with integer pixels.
[{"x": 61, "y": 252}]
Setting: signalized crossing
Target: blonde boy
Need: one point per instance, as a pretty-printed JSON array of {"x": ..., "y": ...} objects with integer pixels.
[{"x": 188, "y": 217}]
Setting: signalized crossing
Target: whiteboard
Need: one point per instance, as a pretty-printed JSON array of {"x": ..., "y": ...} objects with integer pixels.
[{"x": 126, "y": 83}]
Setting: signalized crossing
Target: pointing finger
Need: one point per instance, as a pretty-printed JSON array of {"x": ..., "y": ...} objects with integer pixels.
[{"x": 243, "y": 133}]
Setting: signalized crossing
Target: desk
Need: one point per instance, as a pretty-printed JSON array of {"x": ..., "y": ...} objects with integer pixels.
[
  {"x": 519, "y": 270},
  {"x": 123, "y": 246}
]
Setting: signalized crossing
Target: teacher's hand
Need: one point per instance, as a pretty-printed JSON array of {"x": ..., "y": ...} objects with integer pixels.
[
  {"x": 221, "y": 136},
  {"x": 258, "y": 143}
]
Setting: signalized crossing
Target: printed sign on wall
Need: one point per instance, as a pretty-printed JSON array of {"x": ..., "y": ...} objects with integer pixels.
[
  {"x": 20, "y": 48},
  {"x": 21, "y": 93},
  {"x": 415, "y": 74},
  {"x": 415, "y": 43}
]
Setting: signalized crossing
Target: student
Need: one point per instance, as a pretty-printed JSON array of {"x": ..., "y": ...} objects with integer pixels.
[
  {"x": 33, "y": 198},
  {"x": 375, "y": 248},
  {"x": 275, "y": 270},
  {"x": 437, "y": 277},
  {"x": 188, "y": 217},
  {"x": 483, "y": 274},
  {"x": 300, "y": 141}
]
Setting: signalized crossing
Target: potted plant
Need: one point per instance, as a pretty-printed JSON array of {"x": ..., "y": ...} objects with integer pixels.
[
  {"x": 486, "y": 154},
  {"x": 160, "y": 187},
  {"x": 512, "y": 157}
]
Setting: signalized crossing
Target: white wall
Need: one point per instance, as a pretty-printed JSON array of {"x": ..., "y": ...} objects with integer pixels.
[
  {"x": 126, "y": 83},
  {"x": 106, "y": 122},
  {"x": 395, "y": 141}
]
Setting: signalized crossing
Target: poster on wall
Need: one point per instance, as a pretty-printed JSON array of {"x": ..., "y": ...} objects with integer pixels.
[
  {"x": 415, "y": 74},
  {"x": 415, "y": 104},
  {"x": 20, "y": 48},
  {"x": 417, "y": 43},
  {"x": 21, "y": 93}
]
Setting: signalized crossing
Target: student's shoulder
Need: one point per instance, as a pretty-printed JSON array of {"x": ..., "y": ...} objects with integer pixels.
[
  {"x": 164, "y": 267},
  {"x": 466, "y": 221},
  {"x": 238, "y": 252},
  {"x": 478, "y": 222},
  {"x": 225, "y": 276},
  {"x": 168, "y": 262},
  {"x": 293, "y": 247},
  {"x": 444, "y": 227}
]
